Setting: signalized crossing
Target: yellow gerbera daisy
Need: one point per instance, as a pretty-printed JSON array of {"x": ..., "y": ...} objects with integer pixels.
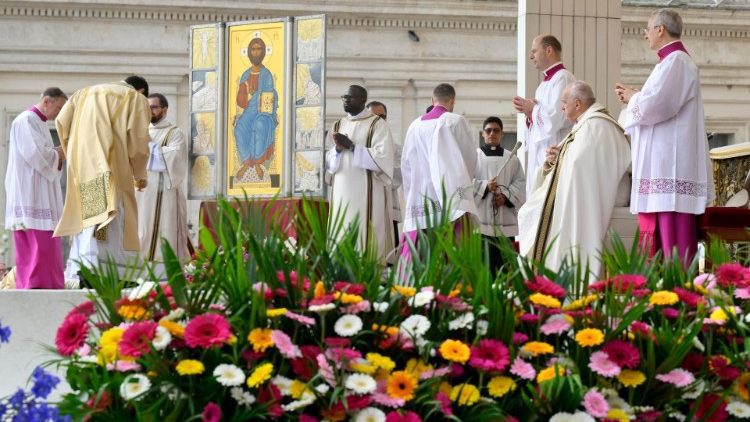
[
  {"x": 260, "y": 375},
  {"x": 177, "y": 330},
  {"x": 544, "y": 300},
  {"x": 363, "y": 368},
  {"x": 549, "y": 373},
  {"x": 260, "y": 338},
  {"x": 631, "y": 378},
  {"x": 580, "y": 303},
  {"x": 276, "y": 312},
  {"x": 297, "y": 388},
  {"x": 663, "y": 298},
  {"x": 589, "y": 337},
  {"x": 133, "y": 312},
  {"x": 417, "y": 366},
  {"x": 536, "y": 348},
  {"x": 347, "y": 299},
  {"x": 401, "y": 385},
  {"x": 455, "y": 351},
  {"x": 618, "y": 415},
  {"x": 190, "y": 367},
  {"x": 464, "y": 394},
  {"x": 379, "y": 361},
  {"x": 500, "y": 386},
  {"x": 405, "y": 291}
]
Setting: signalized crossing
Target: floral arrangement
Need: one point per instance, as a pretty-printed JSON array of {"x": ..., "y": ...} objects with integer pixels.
[{"x": 257, "y": 327}]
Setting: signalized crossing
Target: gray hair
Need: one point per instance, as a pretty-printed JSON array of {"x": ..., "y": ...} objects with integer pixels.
[
  {"x": 582, "y": 91},
  {"x": 671, "y": 21}
]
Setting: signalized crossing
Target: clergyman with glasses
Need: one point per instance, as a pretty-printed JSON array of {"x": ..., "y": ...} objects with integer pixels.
[{"x": 499, "y": 189}]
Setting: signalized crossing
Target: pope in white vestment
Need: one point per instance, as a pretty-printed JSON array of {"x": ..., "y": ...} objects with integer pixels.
[
  {"x": 439, "y": 153},
  {"x": 672, "y": 176},
  {"x": 162, "y": 206},
  {"x": 361, "y": 174},
  {"x": 569, "y": 211}
]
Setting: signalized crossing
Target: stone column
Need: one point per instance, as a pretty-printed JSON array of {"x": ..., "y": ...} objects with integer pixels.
[{"x": 590, "y": 33}]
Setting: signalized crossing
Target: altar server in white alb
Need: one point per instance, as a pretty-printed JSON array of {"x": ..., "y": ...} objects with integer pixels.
[
  {"x": 361, "y": 165},
  {"x": 439, "y": 153},
  {"x": 569, "y": 211},
  {"x": 672, "y": 177},
  {"x": 499, "y": 188},
  {"x": 34, "y": 203},
  {"x": 545, "y": 123},
  {"x": 162, "y": 206}
]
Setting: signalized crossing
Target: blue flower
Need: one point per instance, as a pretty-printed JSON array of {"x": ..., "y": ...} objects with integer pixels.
[
  {"x": 44, "y": 383},
  {"x": 17, "y": 399},
  {"x": 4, "y": 334}
]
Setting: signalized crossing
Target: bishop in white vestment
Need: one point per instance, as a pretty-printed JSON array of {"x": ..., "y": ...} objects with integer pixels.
[
  {"x": 569, "y": 211},
  {"x": 545, "y": 124},
  {"x": 672, "y": 177},
  {"x": 33, "y": 202},
  {"x": 439, "y": 154},
  {"x": 361, "y": 166},
  {"x": 162, "y": 206}
]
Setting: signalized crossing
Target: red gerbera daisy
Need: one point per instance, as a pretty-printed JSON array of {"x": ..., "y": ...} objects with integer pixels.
[
  {"x": 622, "y": 353},
  {"x": 545, "y": 286}
]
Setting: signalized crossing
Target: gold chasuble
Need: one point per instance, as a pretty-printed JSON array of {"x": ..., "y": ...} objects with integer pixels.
[{"x": 104, "y": 130}]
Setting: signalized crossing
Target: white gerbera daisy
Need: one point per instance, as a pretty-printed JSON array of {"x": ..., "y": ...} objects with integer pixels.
[
  {"x": 321, "y": 308},
  {"x": 175, "y": 314},
  {"x": 380, "y": 306},
  {"x": 370, "y": 414},
  {"x": 242, "y": 397},
  {"x": 141, "y": 290},
  {"x": 283, "y": 383},
  {"x": 571, "y": 417},
  {"x": 423, "y": 298},
  {"x": 134, "y": 386},
  {"x": 482, "y": 326},
  {"x": 738, "y": 409},
  {"x": 347, "y": 325},
  {"x": 463, "y": 321},
  {"x": 360, "y": 383},
  {"x": 161, "y": 338},
  {"x": 229, "y": 375},
  {"x": 415, "y": 325},
  {"x": 298, "y": 404}
]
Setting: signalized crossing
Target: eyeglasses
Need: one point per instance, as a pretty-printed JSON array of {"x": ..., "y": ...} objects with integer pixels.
[
  {"x": 648, "y": 28},
  {"x": 493, "y": 130}
]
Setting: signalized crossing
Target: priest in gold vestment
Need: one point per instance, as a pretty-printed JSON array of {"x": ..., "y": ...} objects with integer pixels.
[{"x": 104, "y": 130}]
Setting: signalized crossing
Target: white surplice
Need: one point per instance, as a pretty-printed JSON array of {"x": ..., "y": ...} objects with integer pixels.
[
  {"x": 591, "y": 167},
  {"x": 438, "y": 154},
  {"x": 361, "y": 182},
  {"x": 511, "y": 183},
  {"x": 162, "y": 206},
  {"x": 32, "y": 181},
  {"x": 671, "y": 167},
  {"x": 548, "y": 125}
]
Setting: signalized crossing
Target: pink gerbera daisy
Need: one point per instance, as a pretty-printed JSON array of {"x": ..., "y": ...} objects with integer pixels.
[
  {"x": 72, "y": 333},
  {"x": 136, "y": 340},
  {"x": 543, "y": 285},
  {"x": 678, "y": 377},
  {"x": 595, "y": 404},
  {"x": 489, "y": 356},
  {"x": 602, "y": 365},
  {"x": 207, "y": 330}
]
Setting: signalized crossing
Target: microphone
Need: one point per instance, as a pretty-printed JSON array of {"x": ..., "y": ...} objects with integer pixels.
[{"x": 512, "y": 154}]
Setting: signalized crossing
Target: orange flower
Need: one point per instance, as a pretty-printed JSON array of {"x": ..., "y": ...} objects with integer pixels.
[
  {"x": 401, "y": 385},
  {"x": 455, "y": 351},
  {"x": 261, "y": 339},
  {"x": 133, "y": 312},
  {"x": 347, "y": 299},
  {"x": 320, "y": 290}
]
